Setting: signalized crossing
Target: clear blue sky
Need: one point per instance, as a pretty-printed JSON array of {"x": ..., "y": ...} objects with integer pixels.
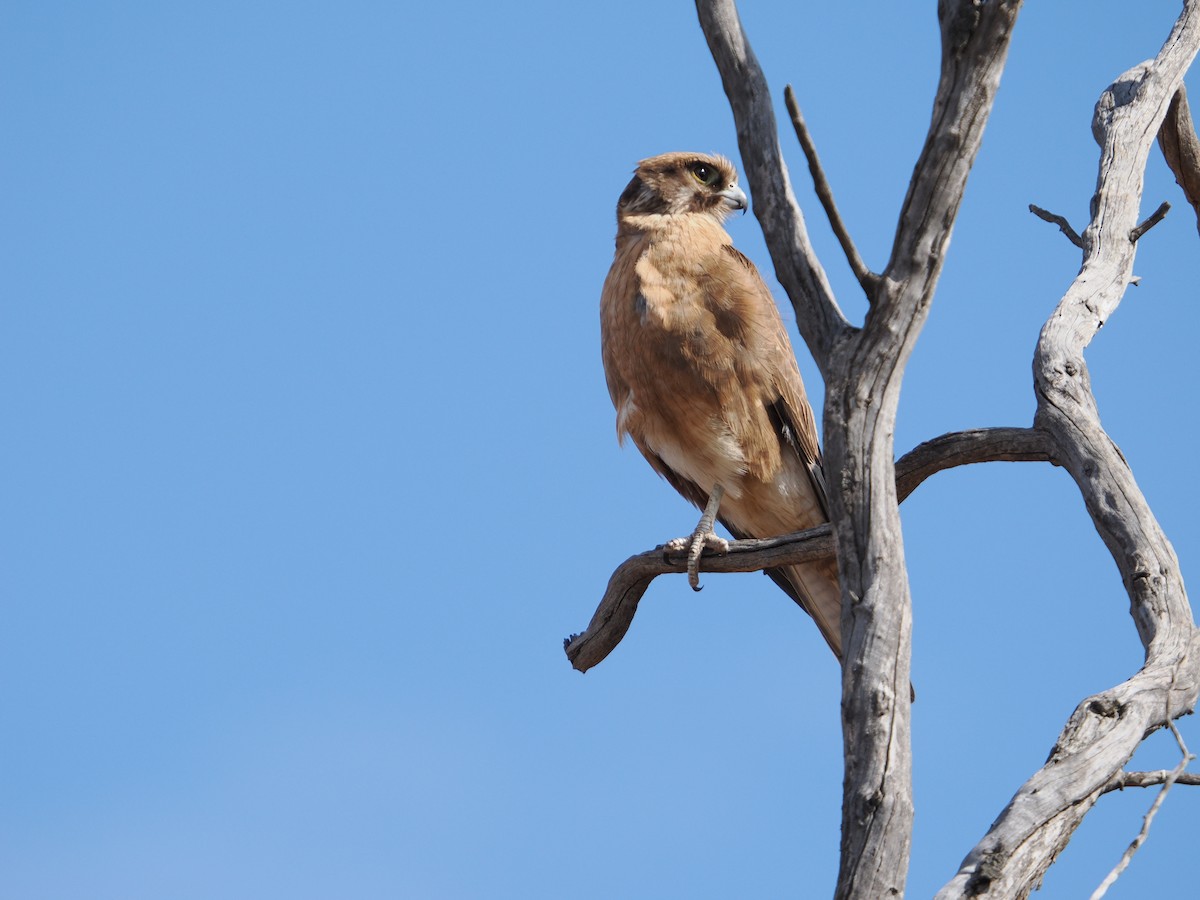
[{"x": 308, "y": 464}]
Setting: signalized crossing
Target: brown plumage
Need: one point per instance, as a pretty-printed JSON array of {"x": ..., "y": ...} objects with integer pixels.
[{"x": 702, "y": 374}]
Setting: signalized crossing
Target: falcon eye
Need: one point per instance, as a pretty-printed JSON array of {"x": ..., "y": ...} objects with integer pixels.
[{"x": 705, "y": 174}]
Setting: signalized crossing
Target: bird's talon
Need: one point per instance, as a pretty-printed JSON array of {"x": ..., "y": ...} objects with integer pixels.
[{"x": 699, "y": 542}]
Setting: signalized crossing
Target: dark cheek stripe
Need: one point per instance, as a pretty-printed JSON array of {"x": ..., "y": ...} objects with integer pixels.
[{"x": 631, "y": 190}]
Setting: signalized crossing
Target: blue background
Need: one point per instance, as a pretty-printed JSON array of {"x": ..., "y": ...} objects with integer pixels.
[{"x": 308, "y": 464}]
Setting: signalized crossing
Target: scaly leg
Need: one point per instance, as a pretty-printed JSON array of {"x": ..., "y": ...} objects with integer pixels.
[{"x": 702, "y": 538}]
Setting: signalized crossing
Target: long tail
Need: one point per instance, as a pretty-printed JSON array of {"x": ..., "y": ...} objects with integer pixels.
[{"x": 814, "y": 586}]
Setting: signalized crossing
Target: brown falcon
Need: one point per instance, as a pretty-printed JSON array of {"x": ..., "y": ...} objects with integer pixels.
[{"x": 703, "y": 376}]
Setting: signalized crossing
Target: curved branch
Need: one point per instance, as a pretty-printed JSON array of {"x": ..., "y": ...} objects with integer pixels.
[
  {"x": 1104, "y": 731},
  {"x": 962, "y": 448},
  {"x": 629, "y": 582},
  {"x": 1063, "y": 225}
]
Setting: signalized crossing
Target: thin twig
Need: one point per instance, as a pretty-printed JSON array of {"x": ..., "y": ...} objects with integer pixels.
[
  {"x": 868, "y": 279},
  {"x": 1124, "y": 780},
  {"x": 1053, "y": 219},
  {"x": 1127, "y": 856},
  {"x": 1155, "y": 218}
]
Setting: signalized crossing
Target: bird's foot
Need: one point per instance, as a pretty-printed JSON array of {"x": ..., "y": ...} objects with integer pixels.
[
  {"x": 695, "y": 545},
  {"x": 703, "y": 538}
]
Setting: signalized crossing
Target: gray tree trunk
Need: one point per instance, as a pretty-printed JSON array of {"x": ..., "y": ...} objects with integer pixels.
[{"x": 863, "y": 368}]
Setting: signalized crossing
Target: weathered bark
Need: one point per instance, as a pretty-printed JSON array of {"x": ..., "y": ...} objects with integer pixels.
[
  {"x": 962, "y": 448},
  {"x": 863, "y": 369},
  {"x": 614, "y": 615},
  {"x": 1105, "y": 730},
  {"x": 629, "y": 582},
  {"x": 1148, "y": 779}
]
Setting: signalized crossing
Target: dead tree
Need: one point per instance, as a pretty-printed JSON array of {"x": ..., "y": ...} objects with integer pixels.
[{"x": 863, "y": 367}]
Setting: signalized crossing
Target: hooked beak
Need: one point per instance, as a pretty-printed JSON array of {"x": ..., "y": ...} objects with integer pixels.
[{"x": 735, "y": 198}]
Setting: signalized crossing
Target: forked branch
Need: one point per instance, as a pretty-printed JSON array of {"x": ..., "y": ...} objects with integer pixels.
[
  {"x": 1104, "y": 731},
  {"x": 863, "y": 370},
  {"x": 629, "y": 582},
  {"x": 1171, "y": 779}
]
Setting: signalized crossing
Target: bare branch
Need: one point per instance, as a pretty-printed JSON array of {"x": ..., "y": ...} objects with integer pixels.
[
  {"x": 1127, "y": 856},
  {"x": 1104, "y": 731},
  {"x": 1181, "y": 148},
  {"x": 865, "y": 276},
  {"x": 775, "y": 206},
  {"x": 629, "y": 582},
  {"x": 862, "y": 395},
  {"x": 962, "y": 448},
  {"x": 1124, "y": 780},
  {"x": 1062, "y": 223},
  {"x": 863, "y": 371},
  {"x": 1154, "y": 218}
]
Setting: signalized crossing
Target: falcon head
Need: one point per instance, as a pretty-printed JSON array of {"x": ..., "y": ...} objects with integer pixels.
[{"x": 679, "y": 183}]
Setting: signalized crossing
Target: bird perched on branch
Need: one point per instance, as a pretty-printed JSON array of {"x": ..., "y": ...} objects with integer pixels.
[{"x": 703, "y": 376}]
